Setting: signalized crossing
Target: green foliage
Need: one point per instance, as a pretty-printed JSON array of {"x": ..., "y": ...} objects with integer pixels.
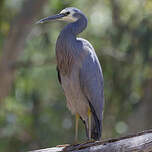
[{"x": 34, "y": 115}]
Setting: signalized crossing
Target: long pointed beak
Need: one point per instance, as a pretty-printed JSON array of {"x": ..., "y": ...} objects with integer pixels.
[{"x": 54, "y": 17}]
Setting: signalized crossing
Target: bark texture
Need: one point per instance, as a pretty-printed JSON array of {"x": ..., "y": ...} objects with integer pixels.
[{"x": 140, "y": 142}]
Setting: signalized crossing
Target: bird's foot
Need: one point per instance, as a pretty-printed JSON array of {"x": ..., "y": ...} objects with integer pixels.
[
  {"x": 88, "y": 141},
  {"x": 65, "y": 145}
]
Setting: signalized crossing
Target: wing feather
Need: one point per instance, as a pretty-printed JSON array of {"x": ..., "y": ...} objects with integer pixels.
[
  {"x": 58, "y": 72},
  {"x": 91, "y": 81}
]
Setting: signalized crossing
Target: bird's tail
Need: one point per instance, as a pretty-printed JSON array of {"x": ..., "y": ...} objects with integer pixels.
[
  {"x": 96, "y": 128},
  {"x": 96, "y": 125}
]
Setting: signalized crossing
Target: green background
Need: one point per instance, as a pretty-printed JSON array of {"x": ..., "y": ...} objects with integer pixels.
[{"x": 33, "y": 113}]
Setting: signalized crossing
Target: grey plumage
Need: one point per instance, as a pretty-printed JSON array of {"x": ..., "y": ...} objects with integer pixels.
[{"x": 79, "y": 72}]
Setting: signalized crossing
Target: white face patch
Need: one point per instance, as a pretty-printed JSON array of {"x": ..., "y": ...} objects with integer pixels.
[{"x": 69, "y": 17}]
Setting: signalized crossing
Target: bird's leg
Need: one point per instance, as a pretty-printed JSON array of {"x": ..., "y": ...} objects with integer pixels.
[
  {"x": 89, "y": 122},
  {"x": 76, "y": 127}
]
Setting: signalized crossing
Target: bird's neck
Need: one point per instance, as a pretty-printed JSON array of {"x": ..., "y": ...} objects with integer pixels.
[
  {"x": 66, "y": 46},
  {"x": 68, "y": 35},
  {"x": 76, "y": 27}
]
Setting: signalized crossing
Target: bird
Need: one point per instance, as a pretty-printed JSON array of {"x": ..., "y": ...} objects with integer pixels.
[{"x": 79, "y": 72}]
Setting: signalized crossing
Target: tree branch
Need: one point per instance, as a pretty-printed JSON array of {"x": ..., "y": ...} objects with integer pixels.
[
  {"x": 140, "y": 142},
  {"x": 31, "y": 64}
]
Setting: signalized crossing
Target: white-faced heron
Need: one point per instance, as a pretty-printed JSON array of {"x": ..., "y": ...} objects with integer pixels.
[{"x": 79, "y": 72}]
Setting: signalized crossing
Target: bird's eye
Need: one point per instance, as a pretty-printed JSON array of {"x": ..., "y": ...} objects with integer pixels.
[{"x": 67, "y": 13}]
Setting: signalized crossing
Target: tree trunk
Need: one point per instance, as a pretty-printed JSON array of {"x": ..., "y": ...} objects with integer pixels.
[{"x": 13, "y": 46}]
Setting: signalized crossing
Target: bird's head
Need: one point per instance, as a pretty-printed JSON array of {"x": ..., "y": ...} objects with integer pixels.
[{"x": 69, "y": 14}]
